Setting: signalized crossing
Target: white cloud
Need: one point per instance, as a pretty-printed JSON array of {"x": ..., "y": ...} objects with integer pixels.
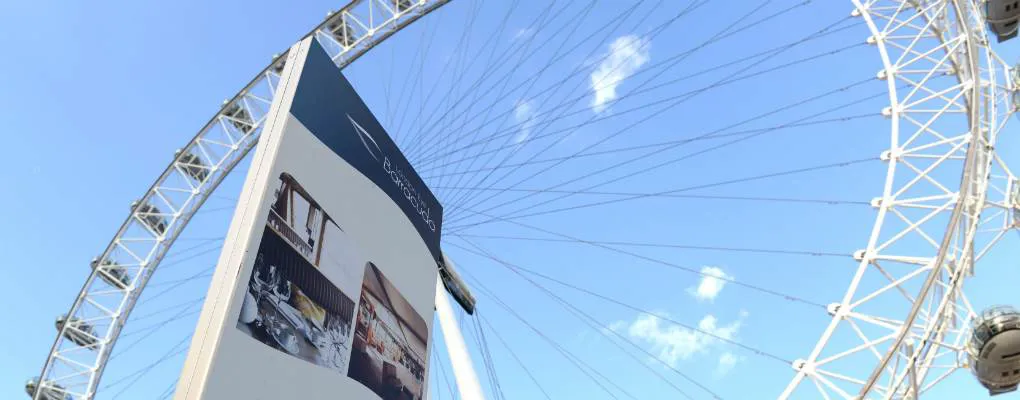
[
  {"x": 673, "y": 343},
  {"x": 524, "y": 33},
  {"x": 626, "y": 54},
  {"x": 726, "y": 363},
  {"x": 617, "y": 326},
  {"x": 713, "y": 280},
  {"x": 525, "y": 117}
]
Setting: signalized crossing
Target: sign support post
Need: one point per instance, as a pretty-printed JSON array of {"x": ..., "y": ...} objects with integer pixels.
[{"x": 460, "y": 359}]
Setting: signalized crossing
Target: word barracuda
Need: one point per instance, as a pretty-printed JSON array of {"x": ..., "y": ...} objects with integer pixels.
[{"x": 410, "y": 193}]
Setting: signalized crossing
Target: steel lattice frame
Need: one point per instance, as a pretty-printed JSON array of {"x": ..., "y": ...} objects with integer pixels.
[
  {"x": 948, "y": 198},
  {"x": 102, "y": 307}
]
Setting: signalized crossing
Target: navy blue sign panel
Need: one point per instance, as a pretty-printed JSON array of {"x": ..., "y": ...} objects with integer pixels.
[{"x": 326, "y": 103}]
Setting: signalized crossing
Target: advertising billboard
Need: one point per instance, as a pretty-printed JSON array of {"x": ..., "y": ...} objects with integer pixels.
[{"x": 325, "y": 288}]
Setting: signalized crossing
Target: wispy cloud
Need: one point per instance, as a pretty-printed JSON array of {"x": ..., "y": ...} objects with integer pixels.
[
  {"x": 525, "y": 117},
  {"x": 626, "y": 54},
  {"x": 524, "y": 33},
  {"x": 726, "y": 363},
  {"x": 673, "y": 343},
  {"x": 712, "y": 282}
]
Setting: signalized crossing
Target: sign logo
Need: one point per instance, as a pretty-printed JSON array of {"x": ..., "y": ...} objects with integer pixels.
[
  {"x": 363, "y": 134},
  {"x": 401, "y": 181}
]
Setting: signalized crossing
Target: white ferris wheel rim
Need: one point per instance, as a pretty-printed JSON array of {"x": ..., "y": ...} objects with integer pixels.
[{"x": 362, "y": 24}]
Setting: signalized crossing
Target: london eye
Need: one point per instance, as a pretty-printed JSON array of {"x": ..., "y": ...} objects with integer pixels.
[{"x": 644, "y": 199}]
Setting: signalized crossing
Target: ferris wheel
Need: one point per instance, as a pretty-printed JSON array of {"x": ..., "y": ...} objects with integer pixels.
[{"x": 905, "y": 322}]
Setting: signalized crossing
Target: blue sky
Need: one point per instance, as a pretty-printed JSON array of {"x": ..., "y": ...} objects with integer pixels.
[{"x": 96, "y": 97}]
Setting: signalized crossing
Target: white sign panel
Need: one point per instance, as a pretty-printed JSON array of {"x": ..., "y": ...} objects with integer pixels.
[{"x": 326, "y": 285}]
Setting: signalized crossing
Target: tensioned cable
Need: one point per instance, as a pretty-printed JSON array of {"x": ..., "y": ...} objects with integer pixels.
[
  {"x": 720, "y": 132},
  {"x": 487, "y": 362},
  {"x": 463, "y": 44},
  {"x": 191, "y": 278},
  {"x": 454, "y": 90},
  {"x": 461, "y": 202},
  {"x": 199, "y": 239},
  {"x": 659, "y": 245},
  {"x": 569, "y": 193},
  {"x": 454, "y": 200},
  {"x": 681, "y": 99},
  {"x": 507, "y": 53},
  {"x": 169, "y": 391},
  {"x": 397, "y": 125},
  {"x": 688, "y": 188},
  {"x": 601, "y": 329},
  {"x": 136, "y": 318},
  {"x": 421, "y": 68},
  {"x": 176, "y": 281},
  {"x": 536, "y": 137},
  {"x": 671, "y": 265},
  {"x": 625, "y": 149},
  {"x": 434, "y": 377},
  {"x": 419, "y": 53},
  {"x": 678, "y": 101},
  {"x": 174, "y": 351},
  {"x": 205, "y": 210},
  {"x": 536, "y": 76},
  {"x": 431, "y": 128},
  {"x": 831, "y": 202},
  {"x": 205, "y": 242},
  {"x": 152, "y": 329},
  {"x": 483, "y": 346},
  {"x": 747, "y": 138},
  {"x": 179, "y": 257},
  {"x": 458, "y": 228},
  {"x": 225, "y": 197},
  {"x": 574, "y": 360},
  {"x": 429, "y": 125},
  {"x": 666, "y": 318},
  {"x": 506, "y": 78},
  {"x": 488, "y": 350},
  {"x": 442, "y": 371},
  {"x": 652, "y": 68},
  {"x": 513, "y": 354},
  {"x": 690, "y": 155},
  {"x": 646, "y": 146}
]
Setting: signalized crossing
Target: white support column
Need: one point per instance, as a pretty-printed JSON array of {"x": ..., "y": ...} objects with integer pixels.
[{"x": 460, "y": 359}]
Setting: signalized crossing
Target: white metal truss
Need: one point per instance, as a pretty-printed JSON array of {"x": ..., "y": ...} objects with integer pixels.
[
  {"x": 948, "y": 199},
  {"x": 90, "y": 329}
]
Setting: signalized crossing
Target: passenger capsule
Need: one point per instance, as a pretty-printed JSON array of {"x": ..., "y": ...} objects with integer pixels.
[
  {"x": 239, "y": 118},
  {"x": 1002, "y": 16},
  {"x": 994, "y": 349},
  {"x": 278, "y": 66},
  {"x": 401, "y": 5},
  {"x": 193, "y": 166},
  {"x": 50, "y": 391},
  {"x": 80, "y": 332},
  {"x": 112, "y": 273},
  {"x": 342, "y": 32},
  {"x": 150, "y": 216},
  {"x": 1015, "y": 202}
]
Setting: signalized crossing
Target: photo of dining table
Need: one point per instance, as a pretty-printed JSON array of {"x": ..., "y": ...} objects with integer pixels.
[{"x": 292, "y": 307}]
